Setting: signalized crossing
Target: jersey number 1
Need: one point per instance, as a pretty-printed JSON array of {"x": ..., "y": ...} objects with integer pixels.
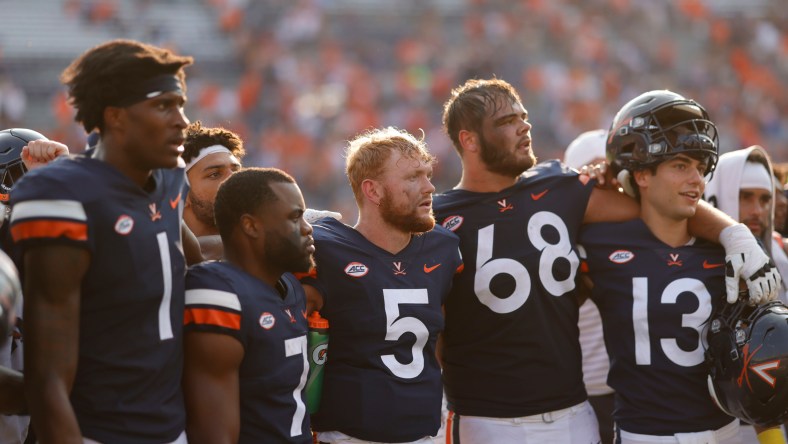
[{"x": 165, "y": 321}]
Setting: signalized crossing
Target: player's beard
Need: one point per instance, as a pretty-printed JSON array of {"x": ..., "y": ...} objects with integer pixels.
[
  {"x": 754, "y": 222},
  {"x": 289, "y": 254},
  {"x": 504, "y": 162},
  {"x": 404, "y": 217},
  {"x": 203, "y": 211}
]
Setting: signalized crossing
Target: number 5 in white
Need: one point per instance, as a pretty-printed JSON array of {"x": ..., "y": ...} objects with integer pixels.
[
  {"x": 165, "y": 322},
  {"x": 293, "y": 347},
  {"x": 395, "y": 328}
]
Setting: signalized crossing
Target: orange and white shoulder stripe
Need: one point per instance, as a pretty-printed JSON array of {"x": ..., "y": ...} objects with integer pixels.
[
  {"x": 37, "y": 219},
  {"x": 213, "y": 307}
]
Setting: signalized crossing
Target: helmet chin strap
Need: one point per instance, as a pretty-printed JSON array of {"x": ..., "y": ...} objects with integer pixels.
[
  {"x": 713, "y": 393},
  {"x": 623, "y": 179}
]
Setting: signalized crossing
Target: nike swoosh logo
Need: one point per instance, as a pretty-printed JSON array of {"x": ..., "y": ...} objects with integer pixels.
[
  {"x": 707, "y": 265},
  {"x": 539, "y": 196},
  {"x": 174, "y": 202},
  {"x": 430, "y": 269}
]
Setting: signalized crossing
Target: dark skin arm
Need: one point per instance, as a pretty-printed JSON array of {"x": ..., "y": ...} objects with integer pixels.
[
  {"x": 211, "y": 387},
  {"x": 584, "y": 286},
  {"x": 12, "y": 392},
  {"x": 314, "y": 300},
  {"x": 191, "y": 247},
  {"x": 52, "y": 284}
]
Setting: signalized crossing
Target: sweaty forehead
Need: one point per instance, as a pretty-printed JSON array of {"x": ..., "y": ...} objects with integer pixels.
[
  {"x": 409, "y": 158},
  {"x": 505, "y": 107}
]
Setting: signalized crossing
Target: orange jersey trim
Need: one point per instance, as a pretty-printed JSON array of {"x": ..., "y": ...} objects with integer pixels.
[
  {"x": 311, "y": 273},
  {"x": 43, "y": 228},
  {"x": 212, "y": 317}
]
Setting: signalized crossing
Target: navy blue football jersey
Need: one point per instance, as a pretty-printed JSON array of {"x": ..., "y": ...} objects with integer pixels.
[
  {"x": 222, "y": 298},
  {"x": 127, "y": 384},
  {"x": 382, "y": 380},
  {"x": 655, "y": 303},
  {"x": 511, "y": 344}
]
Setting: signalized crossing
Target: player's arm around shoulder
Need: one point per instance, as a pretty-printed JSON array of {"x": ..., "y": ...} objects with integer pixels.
[
  {"x": 708, "y": 222},
  {"x": 314, "y": 299},
  {"x": 52, "y": 288},
  {"x": 192, "y": 249},
  {"x": 608, "y": 205}
]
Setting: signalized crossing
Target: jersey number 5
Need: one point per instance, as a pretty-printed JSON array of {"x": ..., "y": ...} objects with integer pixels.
[
  {"x": 487, "y": 267},
  {"x": 395, "y": 328}
]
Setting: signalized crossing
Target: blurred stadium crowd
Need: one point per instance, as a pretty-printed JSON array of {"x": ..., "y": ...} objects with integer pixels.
[{"x": 298, "y": 78}]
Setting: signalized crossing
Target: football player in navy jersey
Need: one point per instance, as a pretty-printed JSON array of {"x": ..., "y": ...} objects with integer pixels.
[
  {"x": 656, "y": 285},
  {"x": 382, "y": 284},
  {"x": 511, "y": 358},
  {"x": 245, "y": 342},
  {"x": 102, "y": 257},
  {"x": 743, "y": 187},
  {"x": 211, "y": 156},
  {"x": 21, "y": 150}
]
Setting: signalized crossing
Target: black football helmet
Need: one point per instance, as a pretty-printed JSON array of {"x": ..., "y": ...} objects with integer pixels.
[
  {"x": 748, "y": 362},
  {"x": 657, "y": 125},
  {"x": 11, "y": 166},
  {"x": 10, "y": 292}
]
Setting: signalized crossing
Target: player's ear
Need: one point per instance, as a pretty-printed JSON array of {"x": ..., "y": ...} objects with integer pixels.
[
  {"x": 251, "y": 226},
  {"x": 469, "y": 140},
  {"x": 642, "y": 177},
  {"x": 372, "y": 191}
]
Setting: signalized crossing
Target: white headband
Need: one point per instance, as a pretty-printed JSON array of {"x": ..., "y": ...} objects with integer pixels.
[
  {"x": 208, "y": 150},
  {"x": 755, "y": 175}
]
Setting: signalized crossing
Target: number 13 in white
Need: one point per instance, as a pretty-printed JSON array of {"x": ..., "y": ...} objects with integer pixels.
[{"x": 692, "y": 320}]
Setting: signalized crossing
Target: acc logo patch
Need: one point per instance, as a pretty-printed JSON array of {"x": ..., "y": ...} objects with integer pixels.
[
  {"x": 356, "y": 269},
  {"x": 451, "y": 223},
  {"x": 124, "y": 224},
  {"x": 621, "y": 256},
  {"x": 267, "y": 320}
]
